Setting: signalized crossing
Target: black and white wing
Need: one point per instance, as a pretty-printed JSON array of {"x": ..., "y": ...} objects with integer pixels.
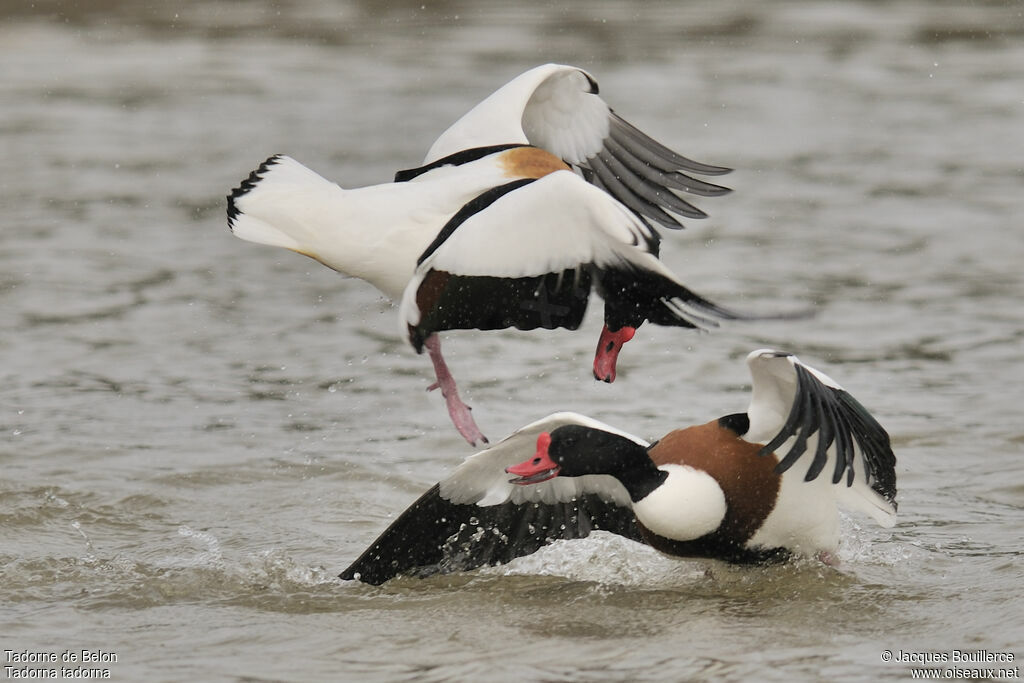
[
  {"x": 558, "y": 108},
  {"x": 804, "y": 416},
  {"x": 526, "y": 255},
  {"x": 475, "y": 517}
]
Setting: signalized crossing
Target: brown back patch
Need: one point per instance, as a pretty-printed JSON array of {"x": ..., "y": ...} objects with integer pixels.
[
  {"x": 530, "y": 162},
  {"x": 427, "y": 296},
  {"x": 430, "y": 289},
  {"x": 748, "y": 480}
]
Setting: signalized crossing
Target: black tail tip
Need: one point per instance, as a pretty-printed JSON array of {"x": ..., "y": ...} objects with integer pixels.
[{"x": 247, "y": 186}]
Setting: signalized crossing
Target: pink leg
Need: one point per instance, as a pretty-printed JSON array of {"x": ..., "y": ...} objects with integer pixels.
[
  {"x": 828, "y": 558},
  {"x": 608, "y": 347},
  {"x": 457, "y": 410}
]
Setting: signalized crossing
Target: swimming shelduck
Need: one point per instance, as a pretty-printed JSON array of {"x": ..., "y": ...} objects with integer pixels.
[
  {"x": 500, "y": 227},
  {"x": 758, "y": 486}
]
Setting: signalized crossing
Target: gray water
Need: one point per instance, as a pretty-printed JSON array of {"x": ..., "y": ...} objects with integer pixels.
[{"x": 198, "y": 433}]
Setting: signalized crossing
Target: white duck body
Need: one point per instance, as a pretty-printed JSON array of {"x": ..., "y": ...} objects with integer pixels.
[{"x": 375, "y": 233}]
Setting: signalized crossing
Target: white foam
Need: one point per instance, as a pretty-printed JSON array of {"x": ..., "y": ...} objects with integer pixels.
[{"x": 602, "y": 557}]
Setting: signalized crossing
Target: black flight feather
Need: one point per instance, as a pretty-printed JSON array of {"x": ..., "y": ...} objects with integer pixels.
[
  {"x": 839, "y": 420},
  {"x": 436, "y": 536}
]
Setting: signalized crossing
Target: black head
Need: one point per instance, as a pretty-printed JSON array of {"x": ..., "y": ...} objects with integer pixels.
[{"x": 577, "y": 450}]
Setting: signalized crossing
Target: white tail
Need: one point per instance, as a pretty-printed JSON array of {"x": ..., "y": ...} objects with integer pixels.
[{"x": 284, "y": 204}]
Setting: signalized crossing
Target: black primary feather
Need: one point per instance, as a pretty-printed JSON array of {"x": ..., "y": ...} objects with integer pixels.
[
  {"x": 482, "y": 302},
  {"x": 644, "y": 175},
  {"x": 839, "y": 420},
  {"x": 436, "y": 536},
  {"x": 658, "y": 154}
]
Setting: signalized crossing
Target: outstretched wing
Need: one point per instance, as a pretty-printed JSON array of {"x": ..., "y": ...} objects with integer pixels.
[
  {"x": 558, "y": 107},
  {"x": 475, "y": 517},
  {"x": 525, "y": 254},
  {"x": 805, "y": 416}
]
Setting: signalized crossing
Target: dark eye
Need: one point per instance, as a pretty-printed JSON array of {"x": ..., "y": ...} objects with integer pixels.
[{"x": 536, "y": 461}]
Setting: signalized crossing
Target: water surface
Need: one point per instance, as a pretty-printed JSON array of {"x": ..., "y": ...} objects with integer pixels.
[{"x": 199, "y": 433}]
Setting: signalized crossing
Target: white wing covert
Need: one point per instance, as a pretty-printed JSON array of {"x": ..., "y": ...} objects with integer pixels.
[
  {"x": 559, "y": 222},
  {"x": 481, "y": 478},
  {"x": 526, "y": 254}
]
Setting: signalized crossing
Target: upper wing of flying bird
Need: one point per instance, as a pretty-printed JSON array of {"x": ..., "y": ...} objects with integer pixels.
[{"x": 558, "y": 108}]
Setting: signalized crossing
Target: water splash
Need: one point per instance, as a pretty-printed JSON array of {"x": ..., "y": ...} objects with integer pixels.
[
  {"x": 602, "y": 558},
  {"x": 214, "y": 554},
  {"x": 77, "y": 526}
]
